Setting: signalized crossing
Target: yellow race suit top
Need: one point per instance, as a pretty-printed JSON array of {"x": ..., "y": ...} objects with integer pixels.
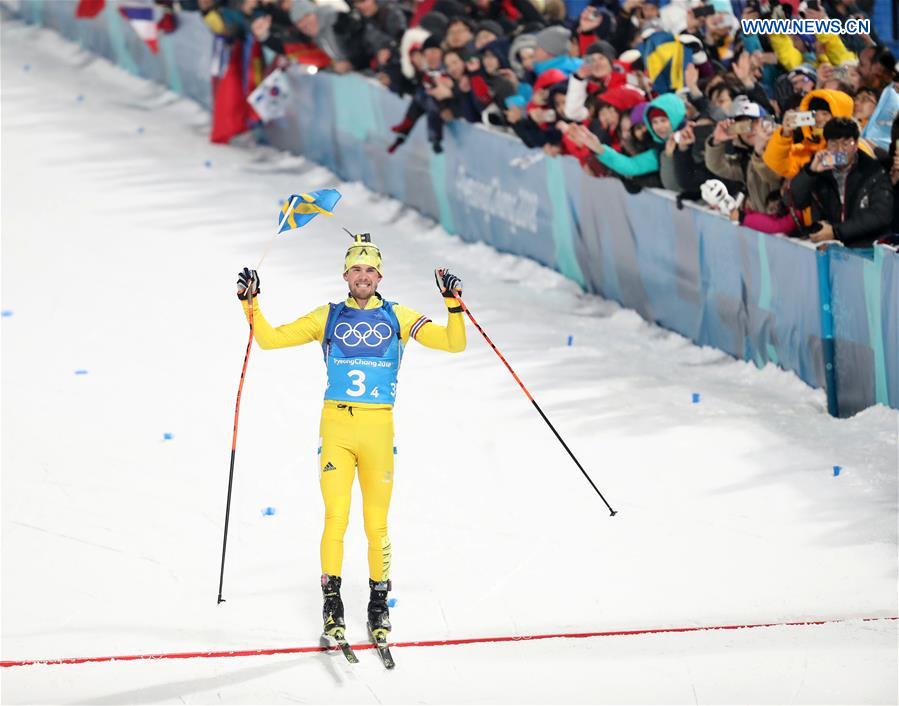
[{"x": 311, "y": 327}]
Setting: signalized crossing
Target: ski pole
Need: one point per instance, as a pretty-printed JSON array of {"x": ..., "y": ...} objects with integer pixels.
[
  {"x": 243, "y": 374},
  {"x": 533, "y": 401}
]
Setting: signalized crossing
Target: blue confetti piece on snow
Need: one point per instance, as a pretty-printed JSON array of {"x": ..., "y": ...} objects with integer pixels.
[
  {"x": 7, "y": 312},
  {"x": 391, "y": 602},
  {"x": 167, "y": 436},
  {"x": 695, "y": 398},
  {"x": 80, "y": 99},
  {"x": 570, "y": 340},
  {"x": 140, "y": 131},
  {"x": 268, "y": 511},
  {"x": 27, "y": 67},
  {"x": 836, "y": 470},
  {"x": 81, "y": 372},
  {"x": 207, "y": 163}
]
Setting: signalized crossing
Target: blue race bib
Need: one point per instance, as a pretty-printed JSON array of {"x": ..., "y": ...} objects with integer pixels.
[{"x": 363, "y": 351}]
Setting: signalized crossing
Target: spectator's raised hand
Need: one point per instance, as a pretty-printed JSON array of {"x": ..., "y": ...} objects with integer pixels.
[
  {"x": 510, "y": 76},
  {"x": 722, "y": 132},
  {"x": 687, "y": 138},
  {"x": 542, "y": 115},
  {"x": 691, "y": 78},
  {"x": 818, "y": 14},
  {"x": 382, "y": 56},
  {"x": 742, "y": 69},
  {"x": 758, "y": 61},
  {"x": 821, "y": 162},
  {"x": 575, "y": 135},
  {"x": 763, "y": 131},
  {"x": 789, "y": 123},
  {"x": 825, "y": 73},
  {"x": 580, "y": 135},
  {"x": 670, "y": 145},
  {"x": 341, "y": 67},
  {"x": 441, "y": 91},
  {"x": 583, "y": 71}
]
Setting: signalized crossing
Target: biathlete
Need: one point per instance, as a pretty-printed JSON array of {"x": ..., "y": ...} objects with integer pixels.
[{"x": 362, "y": 339}]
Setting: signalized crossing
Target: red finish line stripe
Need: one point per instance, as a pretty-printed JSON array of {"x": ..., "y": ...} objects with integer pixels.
[{"x": 424, "y": 643}]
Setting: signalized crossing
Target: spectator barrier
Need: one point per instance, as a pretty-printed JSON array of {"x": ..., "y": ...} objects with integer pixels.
[{"x": 831, "y": 316}]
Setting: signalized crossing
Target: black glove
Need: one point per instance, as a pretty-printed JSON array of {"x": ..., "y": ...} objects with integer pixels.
[
  {"x": 247, "y": 280},
  {"x": 447, "y": 283}
]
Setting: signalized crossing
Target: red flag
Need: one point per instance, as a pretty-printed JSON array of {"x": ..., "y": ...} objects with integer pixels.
[
  {"x": 89, "y": 8},
  {"x": 229, "y": 105}
]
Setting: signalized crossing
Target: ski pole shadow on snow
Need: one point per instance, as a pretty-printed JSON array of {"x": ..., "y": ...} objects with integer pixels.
[{"x": 172, "y": 690}]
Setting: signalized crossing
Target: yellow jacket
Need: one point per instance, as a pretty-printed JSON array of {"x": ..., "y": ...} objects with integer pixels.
[
  {"x": 786, "y": 157},
  {"x": 311, "y": 327}
]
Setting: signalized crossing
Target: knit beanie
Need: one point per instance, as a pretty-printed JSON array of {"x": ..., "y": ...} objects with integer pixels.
[{"x": 553, "y": 40}]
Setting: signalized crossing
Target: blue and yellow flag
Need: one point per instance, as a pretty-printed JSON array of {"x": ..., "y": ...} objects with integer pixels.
[
  {"x": 299, "y": 209},
  {"x": 665, "y": 59}
]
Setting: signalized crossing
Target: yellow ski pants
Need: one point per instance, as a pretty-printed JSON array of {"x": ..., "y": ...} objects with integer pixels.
[{"x": 354, "y": 437}]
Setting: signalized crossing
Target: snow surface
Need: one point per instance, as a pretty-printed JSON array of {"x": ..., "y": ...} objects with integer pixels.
[{"x": 122, "y": 232}]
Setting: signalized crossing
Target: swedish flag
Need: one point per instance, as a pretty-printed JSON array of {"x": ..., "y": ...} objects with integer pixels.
[
  {"x": 665, "y": 59},
  {"x": 299, "y": 209}
]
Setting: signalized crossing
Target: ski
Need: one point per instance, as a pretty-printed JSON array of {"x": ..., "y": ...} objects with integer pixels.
[
  {"x": 339, "y": 638},
  {"x": 379, "y": 640}
]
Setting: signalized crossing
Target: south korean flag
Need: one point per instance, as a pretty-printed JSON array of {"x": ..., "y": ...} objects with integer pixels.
[{"x": 271, "y": 97}]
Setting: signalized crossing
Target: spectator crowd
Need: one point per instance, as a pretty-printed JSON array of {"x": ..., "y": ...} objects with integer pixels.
[{"x": 766, "y": 129}]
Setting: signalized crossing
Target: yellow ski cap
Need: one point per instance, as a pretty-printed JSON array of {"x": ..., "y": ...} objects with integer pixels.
[{"x": 362, "y": 252}]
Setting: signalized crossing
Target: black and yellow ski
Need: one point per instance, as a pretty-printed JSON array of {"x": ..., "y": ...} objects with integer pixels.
[
  {"x": 338, "y": 637},
  {"x": 378, "y": 638}
]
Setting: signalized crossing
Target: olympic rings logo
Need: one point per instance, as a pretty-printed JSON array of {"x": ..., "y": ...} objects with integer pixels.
[{"x": 363, "y": 333}]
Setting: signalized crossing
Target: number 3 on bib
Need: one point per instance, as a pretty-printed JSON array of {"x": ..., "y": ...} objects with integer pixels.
[{"x": 358, "y": 388}]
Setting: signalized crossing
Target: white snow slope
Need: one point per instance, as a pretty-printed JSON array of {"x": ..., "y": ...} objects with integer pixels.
[{"x": 120, "y": 250}]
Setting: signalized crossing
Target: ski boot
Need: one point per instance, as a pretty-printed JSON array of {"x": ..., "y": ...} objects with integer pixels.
[
  {"x": 379, "y": 620},
  {"x": 332, "y": 612},
  {"x": 378, "y": 614}
]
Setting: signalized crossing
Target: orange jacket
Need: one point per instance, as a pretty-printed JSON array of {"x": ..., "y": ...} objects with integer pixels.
[{"x": 786, "y": 157}]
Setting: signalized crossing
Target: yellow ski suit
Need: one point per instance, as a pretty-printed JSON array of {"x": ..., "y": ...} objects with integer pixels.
[{"x": 358, "y": 434}]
